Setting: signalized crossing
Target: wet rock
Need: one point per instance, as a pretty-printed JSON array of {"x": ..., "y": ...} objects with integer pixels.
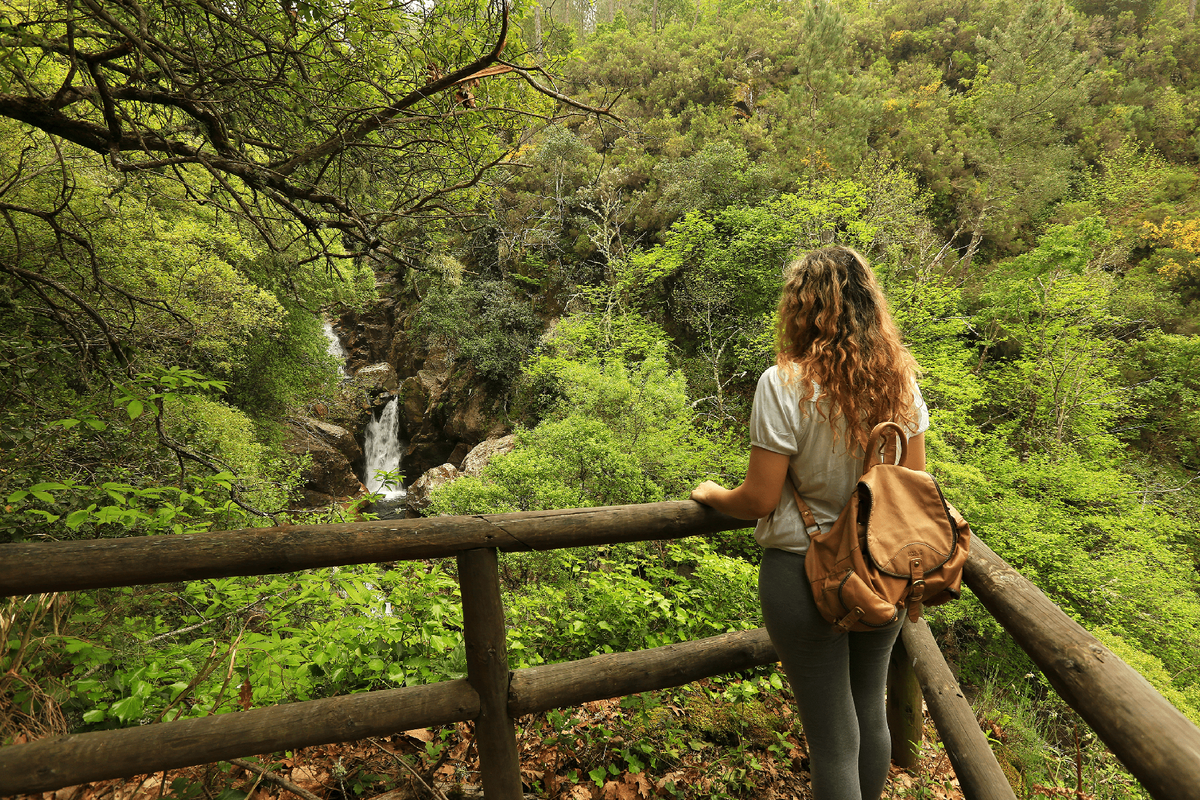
[
  {"x": 482, "y": 454},
  {"x": 422, "y": 454},
  {"x": 422, "y": 487}
]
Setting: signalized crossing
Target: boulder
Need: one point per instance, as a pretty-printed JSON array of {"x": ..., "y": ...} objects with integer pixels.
[
  {"x": 466, "y": 411},
  {"x": 343, "y": 440},
  {"x": 413, "y": 401},
  {"x": 458, "y": 454},
  {"x": 422, "y": 487},
  {"x": 377, "y": 378},
  {"x": 330, "y": 472},
  {"x": 310, "y": 499},
  {"x": 420, "y": 455},
  {"x": 485, "y": 451}
]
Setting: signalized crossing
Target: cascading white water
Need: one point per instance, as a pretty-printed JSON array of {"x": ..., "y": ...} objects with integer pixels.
[
  {"x": 382, "y": 450},
  {"x": 335, "y": 348}
]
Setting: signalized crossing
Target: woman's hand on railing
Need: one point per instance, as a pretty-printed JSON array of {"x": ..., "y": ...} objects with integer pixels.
[{"x": 757, "y": 496}]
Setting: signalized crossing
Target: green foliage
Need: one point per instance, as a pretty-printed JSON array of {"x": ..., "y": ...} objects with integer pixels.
[
  {"x": 142, "y": 655},
  {"x": 617, "y": 432},
  {"x": 1061, "y": 377},
  {"x": 631, "y": 598},
  {"x": 1061, "y": 384},
  {"x": 485, "y": 322},
  {"x": 277, "y": 373},
  {"x": 1164, "y": 370}
]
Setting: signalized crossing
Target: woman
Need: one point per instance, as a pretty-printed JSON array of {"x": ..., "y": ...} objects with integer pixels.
[{"x": 841, "y": 368}]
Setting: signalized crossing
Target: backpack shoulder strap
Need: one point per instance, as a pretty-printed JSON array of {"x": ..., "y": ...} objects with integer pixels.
[{"x": 805, "y": 512}]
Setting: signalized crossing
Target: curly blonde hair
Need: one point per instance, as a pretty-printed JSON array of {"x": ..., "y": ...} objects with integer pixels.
[{"x": 834, "y": 329}]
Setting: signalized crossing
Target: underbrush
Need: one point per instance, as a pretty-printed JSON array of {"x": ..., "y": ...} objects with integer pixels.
[
  {"x": 127, "y": 656},
  {"x": 1043, "y": 746},
  {"x": 734, "y": 737}
]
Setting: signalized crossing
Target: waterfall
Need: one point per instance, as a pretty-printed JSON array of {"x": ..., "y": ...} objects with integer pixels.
[
  {"x": 382, "y": 450},
  {"x": 335, "y": 348}
]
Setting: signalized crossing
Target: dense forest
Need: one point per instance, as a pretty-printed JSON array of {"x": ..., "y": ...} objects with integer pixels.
[{"x": 583, "y": 244}]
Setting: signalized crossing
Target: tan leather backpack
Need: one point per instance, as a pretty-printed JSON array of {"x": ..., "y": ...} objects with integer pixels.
[{"x": 896, "y": 544}]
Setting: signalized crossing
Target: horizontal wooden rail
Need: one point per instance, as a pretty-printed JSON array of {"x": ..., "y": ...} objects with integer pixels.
[
  {"x": 1153, "y": 740},
  {"x": 619, "y": 674},
  {"x": 35, "y": 567},
  {"x": 48, "y": 764},
  {"x": 974, "y": 764}
]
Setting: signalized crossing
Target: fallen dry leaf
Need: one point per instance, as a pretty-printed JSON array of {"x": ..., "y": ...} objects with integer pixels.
[
  {"x": 618, "y": 791},
  {"x": 640, "y": 783},
  {"x": 309, "y": 777}
]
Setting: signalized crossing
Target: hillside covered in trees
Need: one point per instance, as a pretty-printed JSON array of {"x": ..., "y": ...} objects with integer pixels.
[{"x": 578, "y": 215}]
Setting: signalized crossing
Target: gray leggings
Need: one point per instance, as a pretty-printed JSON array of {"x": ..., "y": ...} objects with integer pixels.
[{"x": 838, "y": 679}]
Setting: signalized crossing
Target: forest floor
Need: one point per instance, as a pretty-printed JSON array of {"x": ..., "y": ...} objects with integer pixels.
[{"x": 604, "y": 750}]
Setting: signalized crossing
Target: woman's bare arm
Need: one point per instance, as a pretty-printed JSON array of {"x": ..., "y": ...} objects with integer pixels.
[{"x": 758, "y": 494}]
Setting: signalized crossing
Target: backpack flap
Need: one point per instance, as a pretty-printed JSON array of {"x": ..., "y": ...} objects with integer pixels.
[{"x": 909, "y": 529}]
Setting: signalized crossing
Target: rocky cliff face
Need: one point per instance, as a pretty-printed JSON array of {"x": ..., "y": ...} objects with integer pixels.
[{"x": 446, "y": 410}]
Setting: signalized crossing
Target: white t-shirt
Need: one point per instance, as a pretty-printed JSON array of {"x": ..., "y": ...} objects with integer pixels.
[{"x": 824, "y": 471}]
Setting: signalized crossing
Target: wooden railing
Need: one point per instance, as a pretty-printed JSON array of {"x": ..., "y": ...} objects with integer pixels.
[{"x": 1154, "y": 741}]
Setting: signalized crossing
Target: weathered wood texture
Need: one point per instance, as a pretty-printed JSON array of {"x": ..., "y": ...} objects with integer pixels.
[
  {"x": 619, "y": 674},
  {"x": 978, "y": 772},
  {"x": 30, "y": 568},
  {"x": 487, "y": 670},
  {"x": 1153, "y": 740},
  {"x": 48, "y": 764},
  {"x": 906, "y": 720}
]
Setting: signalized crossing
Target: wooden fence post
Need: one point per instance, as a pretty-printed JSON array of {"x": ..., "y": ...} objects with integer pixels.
[
  {"x": 905, "y": 720},
  {"x": 974, "y": 763},
  {"x": 488, "y": 673}
]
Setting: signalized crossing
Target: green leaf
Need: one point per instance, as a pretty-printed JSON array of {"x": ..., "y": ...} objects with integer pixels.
[
  {"x": 598, "y": 775},
  {"x": 77, "y": 518},
  {"x": 135, "y": 409},
  {"x": 95, "y": 715},
  {"x": 127, "y": 710},
  {"x": 776, "y": 681},
  {"x": 47, "y": 486},
  {"x": 17, "y": 496},
  {"x": 95, "y": 424}
]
